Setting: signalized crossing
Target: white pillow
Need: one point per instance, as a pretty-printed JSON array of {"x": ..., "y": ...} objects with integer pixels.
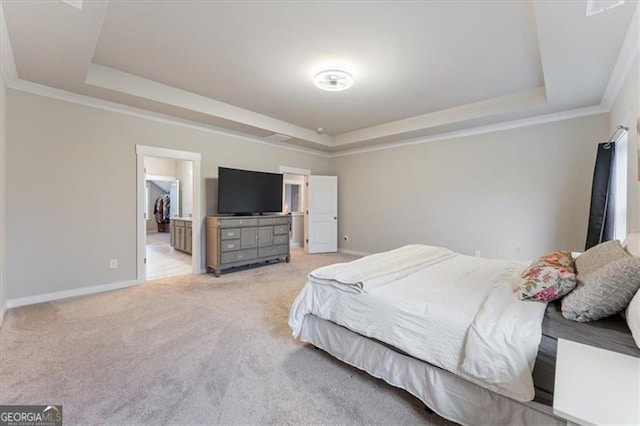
[{"x": 633, "y": 317}]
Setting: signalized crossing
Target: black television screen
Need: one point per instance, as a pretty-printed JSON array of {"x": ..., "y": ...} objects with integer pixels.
[{"x": 245, "y": 191}]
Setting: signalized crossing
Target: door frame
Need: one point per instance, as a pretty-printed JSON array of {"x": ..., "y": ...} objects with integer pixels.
[
  {"x": 305, "y": 173},
  {"x": 294, "y": 171},
  {"x": 141, "y": 231}
]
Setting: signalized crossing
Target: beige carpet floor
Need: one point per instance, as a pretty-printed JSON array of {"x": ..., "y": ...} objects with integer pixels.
[{"x": 190, "y": 350}]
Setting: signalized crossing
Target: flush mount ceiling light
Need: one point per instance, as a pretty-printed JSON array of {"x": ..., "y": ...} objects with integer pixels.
[{"x": 333, "y": 80}]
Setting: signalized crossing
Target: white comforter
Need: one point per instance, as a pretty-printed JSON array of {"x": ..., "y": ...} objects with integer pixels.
[
  {"x": 369, "y": 272},
  {"x": 458, "y": 313}
]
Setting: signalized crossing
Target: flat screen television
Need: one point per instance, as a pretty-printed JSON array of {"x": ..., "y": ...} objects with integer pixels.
[{"x": 243, "y": 192}]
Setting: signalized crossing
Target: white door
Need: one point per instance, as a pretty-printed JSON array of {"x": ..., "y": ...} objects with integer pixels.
[
  {"x": 174, "y": 195},
  {"x": 321, "y": 219}
]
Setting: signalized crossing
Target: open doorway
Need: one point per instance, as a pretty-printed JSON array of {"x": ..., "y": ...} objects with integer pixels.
[
  {"x": 169, "y": 213},
  {"x": 293, "y": 194},
  {"x": 293, "y": 201}
]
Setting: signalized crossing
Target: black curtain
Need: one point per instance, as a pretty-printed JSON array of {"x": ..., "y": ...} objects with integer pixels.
[{"x": 601, "y": 213}]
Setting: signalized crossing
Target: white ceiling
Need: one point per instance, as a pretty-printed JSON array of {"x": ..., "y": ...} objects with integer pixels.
[{"x": 420, "y": 68}]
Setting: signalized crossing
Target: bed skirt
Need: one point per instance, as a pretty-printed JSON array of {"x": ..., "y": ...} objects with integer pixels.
[{"x": 448, "y": 395}]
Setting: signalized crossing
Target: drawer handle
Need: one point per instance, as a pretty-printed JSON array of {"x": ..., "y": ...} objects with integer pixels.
[
  {"x": 240, "y": 256},
  {"x": 229, "y": 245},
  {"x": 232, "y": 234}
]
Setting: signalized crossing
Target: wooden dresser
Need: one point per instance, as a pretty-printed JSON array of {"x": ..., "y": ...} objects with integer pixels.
[{"x": 237, "y": 241}]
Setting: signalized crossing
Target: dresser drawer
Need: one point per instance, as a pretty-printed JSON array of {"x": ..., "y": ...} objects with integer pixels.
[
  {"x": 230, "y": 245},
  {"x": 229, "y": 234},
  {"x": 279, "y": 220},
  {"x": 238, "y": 256},
  {"x": 187, "y": 223},
  {"x": 232, "y": 223},
  {"x": 281, "y": 229},
  {"x": 273, "y": 250},
  {"x": 280, "y": 239},
  {"x": 262, "y": 221}
]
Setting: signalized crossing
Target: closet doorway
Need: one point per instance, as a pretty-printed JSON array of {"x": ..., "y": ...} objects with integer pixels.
[
  {"x": 169, "y": 192},
  {"x": 168, "y": 203},
  {"x": 294, "y": 197}
]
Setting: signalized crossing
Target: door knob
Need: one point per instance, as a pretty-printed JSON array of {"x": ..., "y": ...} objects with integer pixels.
[{"x": 335, "y": 218}]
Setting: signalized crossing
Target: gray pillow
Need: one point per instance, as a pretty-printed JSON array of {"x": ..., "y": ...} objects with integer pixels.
[
  {"x": 603, "y": 292},
  {"x": 598, "y": 256}
]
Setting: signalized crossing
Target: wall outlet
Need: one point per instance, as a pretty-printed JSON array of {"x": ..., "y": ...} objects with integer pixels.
[
  {"x": 477, "y": 253},
  {"x": 113, "y": 263},
  {"x": 346, "y": 238}
]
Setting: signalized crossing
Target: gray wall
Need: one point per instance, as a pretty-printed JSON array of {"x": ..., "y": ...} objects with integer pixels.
[
  {"x": 63, "y": 240},
  {"x": 512, "y": 194}
]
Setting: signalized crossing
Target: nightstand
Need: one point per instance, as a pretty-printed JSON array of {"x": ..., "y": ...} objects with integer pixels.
[{"x": 596, "y": 386}]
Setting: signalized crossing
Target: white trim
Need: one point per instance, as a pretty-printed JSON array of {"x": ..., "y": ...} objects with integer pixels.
[
  {"x": 508, "y": 125},
  {"x": 196, "y": 225},
  {"x": 294, "y": 171},
  {"x": 626, "y": 57},
  {"x": 174, "y": 154},
  {"x": 63, "y": 95},
  {"x": 58, "y": 295},
  {"x": 353, "y": 252},
  {"x": 295, "y": 245},
  {"x": 160, "y": 178}
]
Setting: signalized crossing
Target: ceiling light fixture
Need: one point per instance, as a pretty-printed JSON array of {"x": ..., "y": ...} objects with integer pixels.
[{"x": 333, "y": 80}]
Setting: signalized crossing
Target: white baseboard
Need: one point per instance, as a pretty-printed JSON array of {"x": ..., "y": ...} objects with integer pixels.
[
  {"x": 58, "y": 295},
  {"x": 295, "y": 245},
  {"x": 354, "y": 252}
]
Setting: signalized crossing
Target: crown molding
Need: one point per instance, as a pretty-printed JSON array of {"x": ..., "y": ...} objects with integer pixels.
[
  {"x": 485, "y": 108},
  {"x": 63, "y": 95},
  {"x": 627, "y": 56},
  {"x": 508, "y": 125},
  {"x": 50, "y": 92}
]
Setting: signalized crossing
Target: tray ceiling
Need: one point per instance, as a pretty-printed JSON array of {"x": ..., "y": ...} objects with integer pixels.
[{"x": 419, "y": 67}]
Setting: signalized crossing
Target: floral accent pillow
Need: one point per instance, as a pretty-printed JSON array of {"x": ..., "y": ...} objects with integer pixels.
[{"x": 548, "y": 278}]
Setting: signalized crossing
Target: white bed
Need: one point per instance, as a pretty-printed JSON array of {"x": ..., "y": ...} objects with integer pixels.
[{"x": 448, "y": 329}]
